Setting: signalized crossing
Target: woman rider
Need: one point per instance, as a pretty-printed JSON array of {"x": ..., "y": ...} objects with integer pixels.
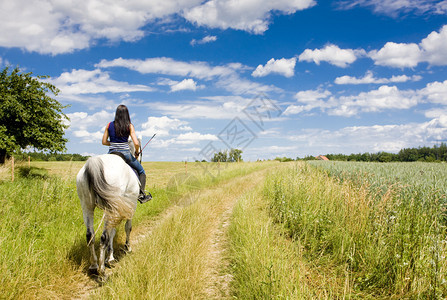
[{"x": 119, "y": 131}]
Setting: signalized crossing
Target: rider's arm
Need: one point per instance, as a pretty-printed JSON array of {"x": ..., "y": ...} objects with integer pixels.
[
  {"x": 105, "y": 137},
  {"x": 134, "y": 138}
]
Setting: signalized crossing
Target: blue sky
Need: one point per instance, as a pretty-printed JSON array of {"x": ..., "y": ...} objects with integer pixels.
[{"x": 273, "y": 78}]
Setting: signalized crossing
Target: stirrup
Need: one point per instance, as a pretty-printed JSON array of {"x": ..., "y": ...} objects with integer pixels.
[{"x": 144, "y": 198}]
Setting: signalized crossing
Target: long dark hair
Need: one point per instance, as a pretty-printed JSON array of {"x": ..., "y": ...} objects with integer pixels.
[{"x": 122, "y": 121}]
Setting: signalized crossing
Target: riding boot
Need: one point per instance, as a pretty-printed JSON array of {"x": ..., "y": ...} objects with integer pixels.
[{"x": 143, "y": 198}]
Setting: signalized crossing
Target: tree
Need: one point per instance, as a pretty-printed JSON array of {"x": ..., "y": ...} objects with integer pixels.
[
  {"x": 28, "y": 116},
  {"x": 221, "y": 156},
  {"x": 235, "y": 155}
]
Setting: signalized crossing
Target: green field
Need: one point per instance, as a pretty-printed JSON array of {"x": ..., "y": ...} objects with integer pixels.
[{"x": 261, "y": 230}]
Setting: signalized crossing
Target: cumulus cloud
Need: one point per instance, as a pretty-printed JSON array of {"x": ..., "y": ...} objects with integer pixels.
[
  {"x": 312, "y": 96},
  {"x": 435, "y": 92},
  {"x": 397, "y": 55},
  {"x": 162, "y": 126},
  {"x": 96, "y": 81},
  {"x": 55, "y": 27},
  {"x": 169, "y": 66},
  {"x": 82, "y": 123},
  {"x": 194, "y": 137},
  {"x": 283, "y": 66},
  {"x": 205, "y": 40},
  {"x": 225, "y": 76},
  {"x": 395, "y": 8},
  {"x": 432, "y": 49},
  {"x": 369, "y": 78},
  {"x": 381, "y": 99},
  {"x": 185, "y": 84},
  {"x": 331, "y": 54},
  {"x": 252, "y": 16},
  {"x": 384, "y": 98}
]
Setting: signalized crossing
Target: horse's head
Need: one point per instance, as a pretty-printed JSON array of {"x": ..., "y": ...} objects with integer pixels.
[{"x": 132, "y": 147}]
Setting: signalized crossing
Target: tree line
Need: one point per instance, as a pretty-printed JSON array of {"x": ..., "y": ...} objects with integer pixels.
[
  {"x": 40, "y": 156},
  {"x": 234, "y": 155},
  {"x": 437, "y": 153}
]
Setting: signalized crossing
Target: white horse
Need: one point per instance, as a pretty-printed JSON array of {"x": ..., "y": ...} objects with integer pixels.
[{"x": 107, "y": 182}]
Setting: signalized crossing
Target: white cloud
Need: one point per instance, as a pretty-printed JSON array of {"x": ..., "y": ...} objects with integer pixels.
[
  {"x": 185, "y": 84},
  {"x": 227, "y": 75},
  {"x": 205, "y": 40},
  {"x": 432, "y": 49},
  {"x": 397, "y": 55},
  {"x": 311, "y": 96},
  {"x": 169, "y": 66},
  {"x": 82, "y": 124},
  {"x": 194, "y": 137},
  {"x": 369, "y": 78},
  {"x": 89, "y": 137},
  {"x": 79, "y": 82},
  {"x": 252, "y": 16},
  {"x": 383, "y": 98},
  {"x": 82, "y": 120},
  {"x": 55, "y": 27},
  {"x": 331, "y": 54},
  {"x": 395, "y": 8},
  {"x": 283, "y": 66},
  {"x": 162, "y": 126},
  {"x": 435, "y": 92}
]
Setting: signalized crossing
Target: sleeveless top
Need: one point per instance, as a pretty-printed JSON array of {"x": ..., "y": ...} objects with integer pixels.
[{"x": 117, "y": 143}]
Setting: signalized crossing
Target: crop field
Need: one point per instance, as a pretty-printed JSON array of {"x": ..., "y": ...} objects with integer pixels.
[{"x": 259, "y": 230}]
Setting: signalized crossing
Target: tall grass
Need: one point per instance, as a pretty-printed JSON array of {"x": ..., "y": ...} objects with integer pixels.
[
  {"x": 386, "y": 244},
  {"x": 43, "y": 252},
  {"x": 264, "y": 263},
  {"x": 39, "y": 230}
]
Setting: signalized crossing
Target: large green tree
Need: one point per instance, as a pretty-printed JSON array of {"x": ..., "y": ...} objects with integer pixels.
[{"x": 28, "y": 114}]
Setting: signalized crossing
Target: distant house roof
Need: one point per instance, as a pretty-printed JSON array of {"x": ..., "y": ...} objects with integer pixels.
[{"x": 322, "y": 157}]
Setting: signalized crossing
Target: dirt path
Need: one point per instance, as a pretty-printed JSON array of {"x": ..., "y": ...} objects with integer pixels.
[{"x": 217, "y": 276}]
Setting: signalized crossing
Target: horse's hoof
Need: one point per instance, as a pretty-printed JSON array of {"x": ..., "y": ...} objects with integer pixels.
[
  {"x": 92, "y": 270},
  {"x": 110, "y": 263},
  {"x": 101, "y": 279},
  {"x": 127, "y": 248}
]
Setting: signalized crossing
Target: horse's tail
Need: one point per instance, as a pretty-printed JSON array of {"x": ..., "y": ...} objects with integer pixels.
[{"x": 107, "y": 196}]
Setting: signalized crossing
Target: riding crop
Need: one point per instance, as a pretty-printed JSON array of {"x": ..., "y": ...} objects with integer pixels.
[{"x": 141, "y": 151}]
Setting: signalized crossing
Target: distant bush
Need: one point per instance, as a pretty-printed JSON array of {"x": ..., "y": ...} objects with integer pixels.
[
  {"x": 284, "y": 159},
  {"x": 33, "y": 172}
]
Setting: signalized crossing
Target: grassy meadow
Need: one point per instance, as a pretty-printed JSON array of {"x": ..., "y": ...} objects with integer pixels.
[{"x": 260, "y": 230}]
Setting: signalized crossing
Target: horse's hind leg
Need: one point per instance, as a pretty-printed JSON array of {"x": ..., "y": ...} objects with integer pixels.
[
  {"x": 110, "y": 259},
  {"x": 106, "y": 244},
  {"x": 90, "y": 236},
  {"x": 128, "y": 228}
]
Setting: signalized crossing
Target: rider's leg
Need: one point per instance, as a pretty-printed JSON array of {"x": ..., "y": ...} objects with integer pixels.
[
  {"x": 143, "y": 196},
  {"x": 134, "y": 163}
]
